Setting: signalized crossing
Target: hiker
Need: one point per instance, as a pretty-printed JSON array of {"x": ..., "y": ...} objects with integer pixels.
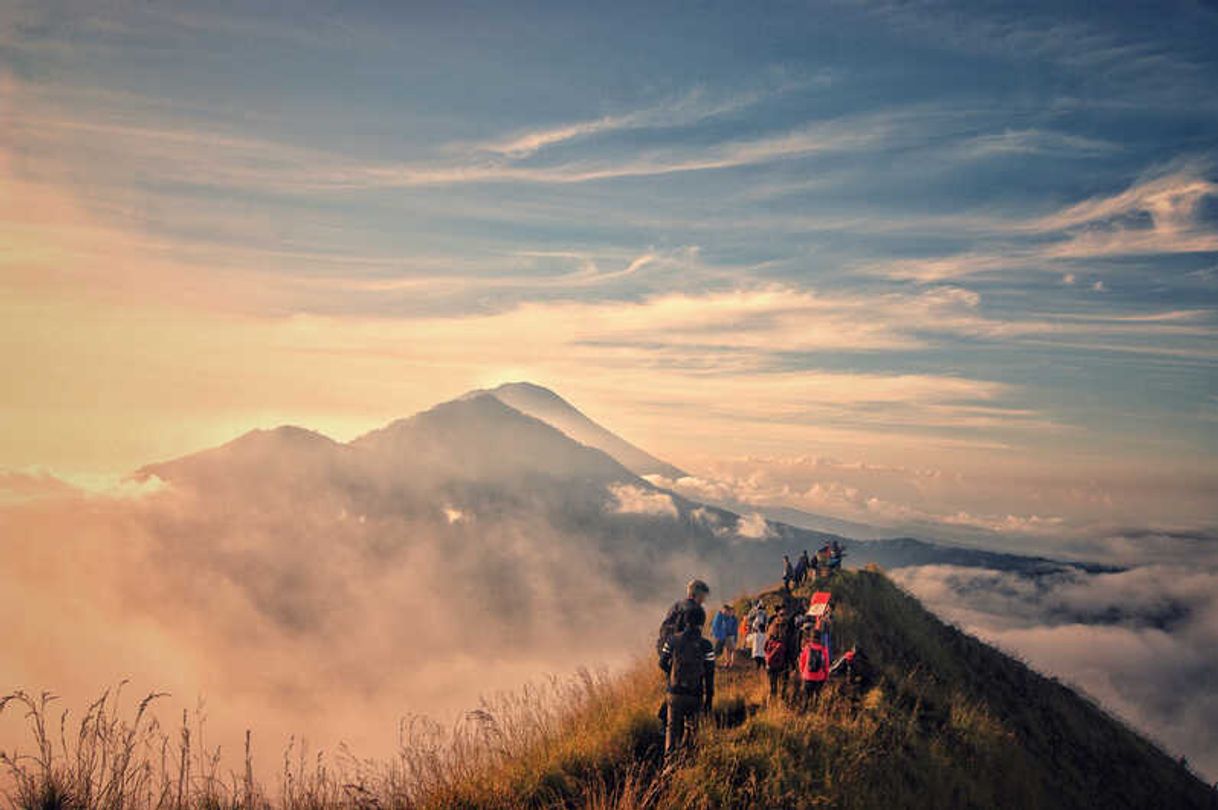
[
  {"x": 788, "y": 573},
  {"x": 758, "y": 622},
  {"x": 689, "y": 662},
  {"x": 855, "y": 668},
  {"x": 779, "y": 650},
  {"x": 695, "y": 594},
  {"x": 814, "y": 567},
  {"x": 725, "y": 628},
  {"x": 813, "y": 668},
  {"x": 801, "y": 569}
]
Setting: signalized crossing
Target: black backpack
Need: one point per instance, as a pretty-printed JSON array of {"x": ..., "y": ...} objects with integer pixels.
[
  {"x": 688, "y": 662},
  {"x": 673, "y": 624}
]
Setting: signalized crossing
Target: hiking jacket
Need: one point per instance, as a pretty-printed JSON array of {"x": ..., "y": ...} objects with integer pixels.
[
  {"x": 821, "y": 674},
  {"x": 674, "y": 620},
  {"x": 707, "y": 691},
  {"x": 723, "y": 626}
]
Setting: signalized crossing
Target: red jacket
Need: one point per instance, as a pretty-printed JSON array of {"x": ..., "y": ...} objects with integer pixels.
[{"x": 819, "y": 674}]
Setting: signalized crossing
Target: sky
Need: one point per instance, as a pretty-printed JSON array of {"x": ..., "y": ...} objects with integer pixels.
[{"x": 945, "y": 267}]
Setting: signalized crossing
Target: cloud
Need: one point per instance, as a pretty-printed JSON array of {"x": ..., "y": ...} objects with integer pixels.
[
  {"x": 754, "y": 526},
  {"x": 693, "y": 107},
  {"x": 206, "y": 157},
  {"x": 1159, "y": 213},
  {"x": 1143, "y": 642},
  {"x": 295, "y": 603},
  {"x": 629, "y": 499},
  {"x": 1078, "y": 509},
  {"x": 1032, "y": 142}
]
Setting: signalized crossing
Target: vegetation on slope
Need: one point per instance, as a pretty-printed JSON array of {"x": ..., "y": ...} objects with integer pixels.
[{"x": 950, "y": 722}]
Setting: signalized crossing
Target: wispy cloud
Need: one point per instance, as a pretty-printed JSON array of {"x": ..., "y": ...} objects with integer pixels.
[
  {"x": 1160, "y": 213},
  {"x": 694, "y": 107}
]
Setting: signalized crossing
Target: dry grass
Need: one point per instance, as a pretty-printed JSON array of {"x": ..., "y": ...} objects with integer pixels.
[{"x": 515, "y": 749}]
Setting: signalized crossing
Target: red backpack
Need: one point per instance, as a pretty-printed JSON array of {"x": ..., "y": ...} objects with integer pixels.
[
  {"x": 775, "y": 653},
  {"x": 813, "y": 663}
]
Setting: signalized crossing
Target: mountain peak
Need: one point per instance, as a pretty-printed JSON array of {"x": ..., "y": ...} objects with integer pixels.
[
  {"x": 548, "y": 406},
  {"x": 524, "y": 386}
]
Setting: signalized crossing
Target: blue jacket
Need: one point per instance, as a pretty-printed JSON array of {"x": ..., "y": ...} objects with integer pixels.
[{"x": 723, "y": 626}]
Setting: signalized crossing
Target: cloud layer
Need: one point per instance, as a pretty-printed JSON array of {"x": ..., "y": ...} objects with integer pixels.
[{"x": 1144, "y": 643}]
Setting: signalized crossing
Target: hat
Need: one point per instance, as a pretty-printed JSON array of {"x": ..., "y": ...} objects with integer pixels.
[{"x": 697, "y": 586}]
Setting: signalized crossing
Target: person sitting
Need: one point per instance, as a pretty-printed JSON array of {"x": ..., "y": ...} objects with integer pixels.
[{"x": 855, "y": 669}]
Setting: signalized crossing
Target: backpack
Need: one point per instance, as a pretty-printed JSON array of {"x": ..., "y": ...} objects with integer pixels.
[
  {"x": 673, "y": 624},
  {"x": 688, "y": 664},
  {"x": 776, "y": 653},
  {"x": 812, "y": 663}
]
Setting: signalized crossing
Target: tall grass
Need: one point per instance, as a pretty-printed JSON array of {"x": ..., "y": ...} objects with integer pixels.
[{"x": 560, "y": 741}]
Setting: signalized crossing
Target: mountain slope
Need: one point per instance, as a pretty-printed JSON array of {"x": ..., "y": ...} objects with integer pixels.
[
  {"x": 949, "y": 723},
  {"x": 544, "y": 404}
]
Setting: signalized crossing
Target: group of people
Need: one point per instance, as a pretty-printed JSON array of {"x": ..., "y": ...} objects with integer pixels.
[
  {"x": 826, "y": 560},
  {"x": 790, "y": 640},
  {"x": 795, "y": 650}
]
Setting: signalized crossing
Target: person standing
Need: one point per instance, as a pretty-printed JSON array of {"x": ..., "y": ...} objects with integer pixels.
[
  {"x": 688, "y": 661},
  {"x": 779, "y": 652},
  {"x": 674, "y": 622},
  {"x": 813, "y": 668},
  {"x": 725, "y": 629},
  {"x": 788, "y": 573},
  {"x": 758, "y": 623}
]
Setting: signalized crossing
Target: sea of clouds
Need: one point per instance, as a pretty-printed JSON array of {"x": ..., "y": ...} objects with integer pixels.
[{"x": 1142, "y": 642}]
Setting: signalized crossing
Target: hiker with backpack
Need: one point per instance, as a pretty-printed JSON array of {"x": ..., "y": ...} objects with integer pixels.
[
  {"x": 688, "y": 661},
  {"x": 674, "y": 622},
  {"x": 813, "y": 668},
  {"x": 788, "y": 573},
  {"x": 725, "y": 628},
  {"x": 779, "y": 652}
]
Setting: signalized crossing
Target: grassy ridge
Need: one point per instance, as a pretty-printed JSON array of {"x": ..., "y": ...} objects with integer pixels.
[{"x": 951, "y": 722}]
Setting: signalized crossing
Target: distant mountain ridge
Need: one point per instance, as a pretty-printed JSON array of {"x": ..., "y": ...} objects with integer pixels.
[{"x": 483, "y": 458}]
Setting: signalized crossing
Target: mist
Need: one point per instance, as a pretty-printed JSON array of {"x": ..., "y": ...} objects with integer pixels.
[
  {"x": 298, "y": 586},
  {"x": 1141, "y": 642}
]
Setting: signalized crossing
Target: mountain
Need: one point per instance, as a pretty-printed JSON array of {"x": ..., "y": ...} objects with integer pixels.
[
  {"x": 811, "y": 521},
  {"x": 489, "y": 490},
  {"x": 902, "y": 552},
  {"x": 945, "y": 722},
  {"x": 549, "y": 407},
  {"x": 536, "y": 526}
]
